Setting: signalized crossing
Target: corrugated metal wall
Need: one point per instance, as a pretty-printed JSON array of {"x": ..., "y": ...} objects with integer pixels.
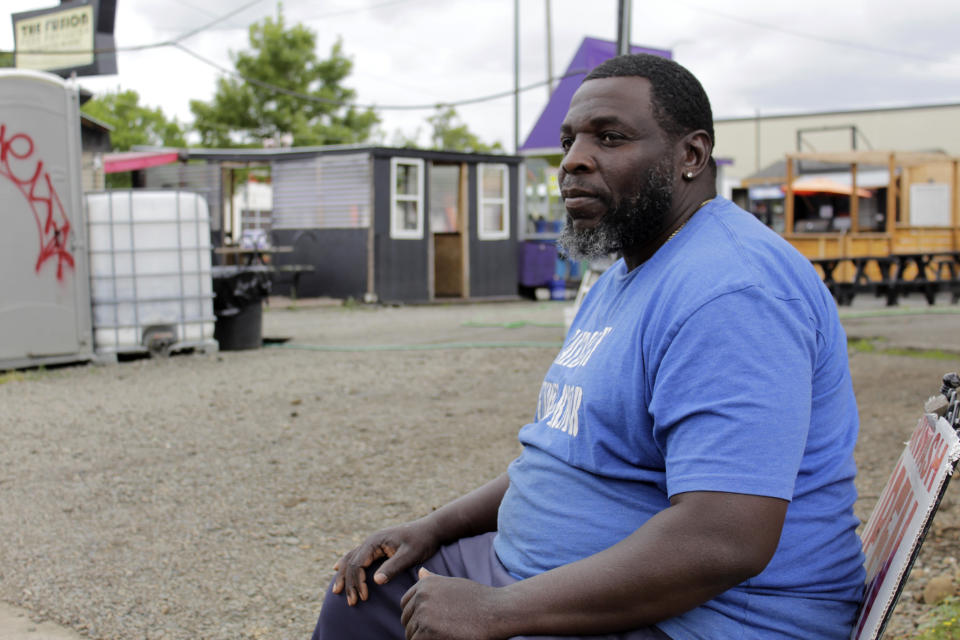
[
  {"x": 325, "y": 192},
  {"x": 200, "y": 178}
]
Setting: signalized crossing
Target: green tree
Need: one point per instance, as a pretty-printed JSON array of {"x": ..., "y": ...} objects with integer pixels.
[
  {"x": 449, "y": 133},
  {"x": 245, "y": 111},
  {"x": 134, "y": 124},
  {"x": 6, "y": 58},
  {"x": 405, "y": 141}
]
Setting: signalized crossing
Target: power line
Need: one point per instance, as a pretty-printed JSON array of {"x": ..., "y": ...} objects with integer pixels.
[
  {"x": 192, "y": 32},
  {"x": 810, "y": 36},
  {"x": 310, "y": 98},
  {"x": 225, "y": 16},
  {"x": 141, "y": 47},
  {"x": 397, "y": 107},
  {"x": 195, "y": 7},
  {"x": 323, "y": 16},
  {"x": 344, "y": 12},
  {"x": 177, "y": 43}
]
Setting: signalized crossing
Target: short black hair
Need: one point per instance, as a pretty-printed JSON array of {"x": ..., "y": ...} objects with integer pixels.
[{"x": 679, "y": 103}]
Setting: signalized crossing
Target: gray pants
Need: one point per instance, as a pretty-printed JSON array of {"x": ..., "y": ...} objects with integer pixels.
[{"x": 379, "y": 617}]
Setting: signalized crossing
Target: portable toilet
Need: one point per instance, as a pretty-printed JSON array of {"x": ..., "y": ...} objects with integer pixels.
[{"x": 44, "y": 275}]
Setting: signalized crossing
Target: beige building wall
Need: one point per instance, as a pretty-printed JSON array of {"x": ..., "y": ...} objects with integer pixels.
[
  {"x": 754, "y": 143},
  {"x": 93, "y": 178}
]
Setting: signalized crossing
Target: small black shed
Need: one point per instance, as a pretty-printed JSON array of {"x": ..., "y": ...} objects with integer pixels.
[{"x": 391, "y": 224}]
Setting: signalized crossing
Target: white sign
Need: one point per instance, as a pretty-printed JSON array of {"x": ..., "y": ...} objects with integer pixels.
[
  {"x": 59, "y": 39},
  {"x": 898, "y": 523},
  {"x": 930, "y": 205}
]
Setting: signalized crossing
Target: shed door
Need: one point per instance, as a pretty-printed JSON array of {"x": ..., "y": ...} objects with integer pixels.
[{"x": 447, "y": 205}]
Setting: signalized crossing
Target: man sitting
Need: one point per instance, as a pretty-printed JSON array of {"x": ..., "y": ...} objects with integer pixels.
[{"x": 689, "y": 472}]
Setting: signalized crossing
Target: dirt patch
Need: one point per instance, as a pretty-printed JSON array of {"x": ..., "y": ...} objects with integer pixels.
[{"x": 209, "y": 495}]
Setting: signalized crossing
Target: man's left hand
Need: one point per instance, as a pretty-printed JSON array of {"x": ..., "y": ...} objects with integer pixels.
[{"x": 442, "y": 608}]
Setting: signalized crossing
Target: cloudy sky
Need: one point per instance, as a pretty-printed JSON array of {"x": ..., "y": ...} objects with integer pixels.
[{"x": 751, "y": 55}]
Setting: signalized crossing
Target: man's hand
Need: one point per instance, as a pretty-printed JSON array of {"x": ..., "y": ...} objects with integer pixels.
[
  {"x": 415, "y": 542},
  {"x": 404, "y": 546},
  {"x": 441, "y": 608}
]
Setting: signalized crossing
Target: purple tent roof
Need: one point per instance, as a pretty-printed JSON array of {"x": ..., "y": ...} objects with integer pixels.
[{"x": 546, "y": 132}]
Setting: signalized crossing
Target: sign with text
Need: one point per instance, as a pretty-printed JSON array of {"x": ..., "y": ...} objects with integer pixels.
[
  {"x": 901, "y": 518},
  {"x": 60, "y": 39},
  {"x": 74, "y": 37}
]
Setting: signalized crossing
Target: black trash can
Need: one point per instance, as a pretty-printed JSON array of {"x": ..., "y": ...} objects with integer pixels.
[{"x": 238, "y": 305}]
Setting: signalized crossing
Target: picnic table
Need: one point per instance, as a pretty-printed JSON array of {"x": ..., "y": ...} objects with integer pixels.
[
  {"x": 260, "y": 258},
  {"x": 249, "y": 255},
  {"x": 894, "y": 275}
]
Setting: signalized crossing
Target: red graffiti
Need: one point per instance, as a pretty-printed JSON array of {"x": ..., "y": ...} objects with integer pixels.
[{"x": 19, "y": 165}]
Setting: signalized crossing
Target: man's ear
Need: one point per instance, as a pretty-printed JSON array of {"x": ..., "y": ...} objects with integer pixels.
[{"x": 695, "y": 151}]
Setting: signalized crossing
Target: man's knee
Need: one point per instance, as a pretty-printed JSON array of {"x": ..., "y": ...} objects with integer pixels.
[{"x": 376, "y": 618}]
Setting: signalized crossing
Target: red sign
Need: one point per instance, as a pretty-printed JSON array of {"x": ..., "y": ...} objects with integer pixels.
[{"x": 895, "y": 530}]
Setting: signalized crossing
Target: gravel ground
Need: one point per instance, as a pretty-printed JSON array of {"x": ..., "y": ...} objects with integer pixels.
[{"x": 208, "y": 496}]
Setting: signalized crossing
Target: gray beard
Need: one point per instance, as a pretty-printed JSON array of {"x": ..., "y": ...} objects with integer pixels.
[{"x": 634, "y": 222}]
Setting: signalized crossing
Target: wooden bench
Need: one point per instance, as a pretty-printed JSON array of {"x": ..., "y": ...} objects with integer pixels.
[{"x": 896, "y": 529}]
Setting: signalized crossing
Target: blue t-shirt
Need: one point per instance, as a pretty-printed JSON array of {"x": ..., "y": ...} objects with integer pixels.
[{"x": 720, "y": 364}]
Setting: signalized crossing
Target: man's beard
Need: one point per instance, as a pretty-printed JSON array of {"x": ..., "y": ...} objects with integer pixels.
[{"x": 635, "y": 221}]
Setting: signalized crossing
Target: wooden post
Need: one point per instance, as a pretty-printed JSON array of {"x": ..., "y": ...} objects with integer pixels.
[
  {"x": 516, "y": 76},
  {"x": 854, "y": 200},
  {"x": 955, "y": 205},
  {"x": 892, "y": 197},
  {"x": 904, "y": 193},
  {"x": 788, "y": 200},
  {"x": 371, "y": 293},
  {"x": 230, "y": 235},
  {"x": 465, "y": 227}
]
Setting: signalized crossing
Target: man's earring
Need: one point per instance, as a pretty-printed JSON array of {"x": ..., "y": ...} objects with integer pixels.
[{"x": 688, "y": 175}]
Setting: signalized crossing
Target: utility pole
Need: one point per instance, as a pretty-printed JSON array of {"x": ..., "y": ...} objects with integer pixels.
[
  {"x": 549, "y": 53},
  {"x": 623, "y": 27},
  {"x": 516, "y": 75}
]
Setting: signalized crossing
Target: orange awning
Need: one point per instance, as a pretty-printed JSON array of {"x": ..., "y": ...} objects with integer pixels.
[{"x": 809, "y": 186}]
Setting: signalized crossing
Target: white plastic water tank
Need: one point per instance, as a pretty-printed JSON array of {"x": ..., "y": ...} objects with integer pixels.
[{"x": 151, "y": 283}]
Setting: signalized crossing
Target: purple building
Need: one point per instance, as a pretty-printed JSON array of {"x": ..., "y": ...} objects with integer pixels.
[{"x": 544, "y": 137}]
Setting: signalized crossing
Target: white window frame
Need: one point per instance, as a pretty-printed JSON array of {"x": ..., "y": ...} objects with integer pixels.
[
  {"x": 504, "y": 199},
  {"x": 396, "y": 221}
]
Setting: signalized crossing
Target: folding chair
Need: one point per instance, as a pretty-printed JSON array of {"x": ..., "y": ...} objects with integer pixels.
[{"x": 899, "y": 523}]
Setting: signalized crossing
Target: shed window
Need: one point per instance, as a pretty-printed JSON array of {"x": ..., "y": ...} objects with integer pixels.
[
  {"x": 494, "y": 202},
  {"x": 406, "y": 198},
  {"x": 444, "y": 198}
]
